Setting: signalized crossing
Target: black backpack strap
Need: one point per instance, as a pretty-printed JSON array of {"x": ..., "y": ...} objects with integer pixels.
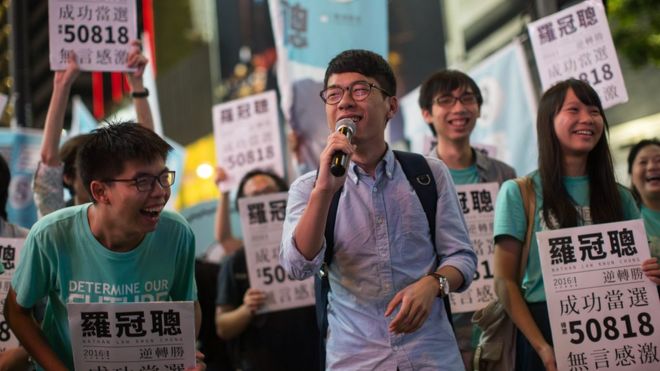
[
  {"x": 421, "y": 178},
  {"x": 321, "y": 281}
]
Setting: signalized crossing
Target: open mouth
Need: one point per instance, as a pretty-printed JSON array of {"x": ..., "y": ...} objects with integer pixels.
[
  {"x": 152, "y": 212},
  {"x": 584, "y": 132},
  {"x": 653, "y": 178}
]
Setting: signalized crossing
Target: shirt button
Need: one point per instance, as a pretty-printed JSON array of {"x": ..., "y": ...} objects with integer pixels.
[
  {"x": 374, "y": 189},
  {"x": 396, "y": 348}
]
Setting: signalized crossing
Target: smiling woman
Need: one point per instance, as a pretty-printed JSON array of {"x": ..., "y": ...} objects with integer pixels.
[{"x": 644, "y": 170}]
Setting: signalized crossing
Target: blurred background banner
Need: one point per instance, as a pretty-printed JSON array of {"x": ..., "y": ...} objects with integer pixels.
[
  {"x": 308, "y": 34},
  {"x": 20, "y": 148}
]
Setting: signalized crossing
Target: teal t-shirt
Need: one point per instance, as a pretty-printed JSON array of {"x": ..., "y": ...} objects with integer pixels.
[
  {"x": 652, "y": 226},
  {"x": 469, "y": 175},
  {"x": 63, "y": 261},
  {"x": 510, "y": 220}
]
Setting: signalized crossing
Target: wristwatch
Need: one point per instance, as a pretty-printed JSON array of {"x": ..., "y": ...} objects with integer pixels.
[
  {"x": 444, "y": 284},
  {"x": 140, "y": 94}
]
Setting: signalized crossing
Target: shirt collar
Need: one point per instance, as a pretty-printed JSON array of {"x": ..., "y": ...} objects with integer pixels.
[{"x": 388, "y": 159}]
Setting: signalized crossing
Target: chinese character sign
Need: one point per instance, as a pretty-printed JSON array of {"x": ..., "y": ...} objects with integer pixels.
[
  {"x": 261, "y": 220},
  {"x": 9, "y": 253},
  {"x": 98, "y": 31},
  {"x": 133, "y": 336},
  {"x": 603, "y": 310},
  {"x": 247, "y": 136},
  {"x": 576, "y": 42},
  {"x": 477, "y": 202}
]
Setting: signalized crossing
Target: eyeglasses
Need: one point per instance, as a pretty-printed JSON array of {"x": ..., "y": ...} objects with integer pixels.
[
  {"x": 359, "y": 91},
  {"x": 145, "y": 183},
  {"x": 450, "y": 100}
]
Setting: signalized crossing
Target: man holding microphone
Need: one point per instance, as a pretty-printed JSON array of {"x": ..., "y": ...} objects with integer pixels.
[{"x": 387, "y": 276}]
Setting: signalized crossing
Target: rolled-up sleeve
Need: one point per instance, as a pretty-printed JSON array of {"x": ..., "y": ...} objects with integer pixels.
[
  {"x": 452, "y": 241},
  {"x": 290, "y": 257}
]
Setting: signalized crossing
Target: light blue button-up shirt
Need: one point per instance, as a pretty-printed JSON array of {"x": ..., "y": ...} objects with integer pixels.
[{"x": 382, "y": 245}]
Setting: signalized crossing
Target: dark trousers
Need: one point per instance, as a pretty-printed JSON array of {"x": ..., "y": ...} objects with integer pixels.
[{"x": 526, "y": 357}]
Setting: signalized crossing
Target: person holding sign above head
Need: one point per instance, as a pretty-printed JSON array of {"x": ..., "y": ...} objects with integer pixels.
[
  {"x": 574, "y": 186},
  {"x": 451, "y": 103},
  {"x": 281, "y": 340},
  {"x": 57, "y": 169},
  {"x": 92, "y": 253},
  {"x": 644, "y": 171},
  {"x": 387, "y": 275}
]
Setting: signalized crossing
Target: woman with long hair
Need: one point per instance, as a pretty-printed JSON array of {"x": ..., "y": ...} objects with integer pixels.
[{"x": 574, "y": 186}]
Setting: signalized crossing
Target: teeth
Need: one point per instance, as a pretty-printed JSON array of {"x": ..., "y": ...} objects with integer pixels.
[
  {"x": 585, "y": 132},
  {"x": 153, "y": 209}
]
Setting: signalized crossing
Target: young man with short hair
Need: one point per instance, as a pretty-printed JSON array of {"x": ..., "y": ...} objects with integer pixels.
[
  {"x": 451, "y": 104},
  {"x": 88, "y": 253},
  {"x": 387, "y": 277}
]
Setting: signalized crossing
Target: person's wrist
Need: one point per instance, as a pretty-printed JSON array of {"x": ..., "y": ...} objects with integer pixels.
[{"x": 140, "y": 93}]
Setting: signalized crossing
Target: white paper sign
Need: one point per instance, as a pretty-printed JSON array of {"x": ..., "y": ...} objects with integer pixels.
[
  {"x": 133, "y": 336},
  {"x": 10, "y": 249},
  {"x": 3, "y": 102},
  {"x": 98, "y": 31},
  {"x": 603, "y": 309},
  {"x": 247, "y": 137},
  {"x": 576, "y": 42},
  {"x": 261, "y": 220},
  {"x": 478, "y": 202}
]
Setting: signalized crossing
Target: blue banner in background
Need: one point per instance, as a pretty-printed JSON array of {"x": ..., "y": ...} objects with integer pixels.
[
  {"x": 21, "y": 150},
  {"x": 308, "y": 34},
  {"x": 508, "y": 114}
]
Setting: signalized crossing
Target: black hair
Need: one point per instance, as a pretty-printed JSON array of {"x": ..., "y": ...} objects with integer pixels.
[
  {"x": 634, "y": 150},
  {"x": 5, "y": 179},
  {"x": 107, "y": 150},
  {"x": 443, "y": 83},
  {"x": 366, "y": 63},
  {"x": 68, "y": 153},
  {"x": 279, "y": 182},
  {"x": 604, "y": 201}
]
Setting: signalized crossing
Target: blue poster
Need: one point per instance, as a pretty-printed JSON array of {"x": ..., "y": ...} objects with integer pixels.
[{"x": 21, "y": 150}]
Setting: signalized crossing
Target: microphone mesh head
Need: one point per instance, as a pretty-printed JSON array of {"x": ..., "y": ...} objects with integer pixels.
[{"x": 347, "y": 123}]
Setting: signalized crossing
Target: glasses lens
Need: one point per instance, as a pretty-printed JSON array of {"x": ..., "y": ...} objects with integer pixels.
[
  {"x": 446, "y": 100},
  {"x": 166, "y": 179},
  {"x": 468, "y": 99},
  {"x": 360, "y": 91},
  {"x": 332, "y": 95},
  {"x": 144, "y": 183}
]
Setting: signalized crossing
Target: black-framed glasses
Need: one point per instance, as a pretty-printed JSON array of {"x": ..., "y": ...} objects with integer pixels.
[
  {"x": 450, "y": 100},
  {"x": 145, "y": 183},
  {"x": 359, "y": 90}
]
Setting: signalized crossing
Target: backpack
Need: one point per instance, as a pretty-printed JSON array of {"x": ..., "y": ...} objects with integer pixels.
[{"x": 419, "y": 175}]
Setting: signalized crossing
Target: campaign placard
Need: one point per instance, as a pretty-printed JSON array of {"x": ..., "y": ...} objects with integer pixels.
[
  {"x": 478, "y": 202},
  {"x": 603, "y": 309},
  {"x": 247, "y": 136},
  {"x": 98, "y": 31},
  {"x": 262, "y": 218},
  {"x": 133, "y": 336},
  {"x": 10, "y": 249},
  {"x": 576, "y": 42}
]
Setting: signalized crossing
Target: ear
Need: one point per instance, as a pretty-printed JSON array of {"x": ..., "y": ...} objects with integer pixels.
[
  {"x": 428, "y": 116},
  {"x": 100, "y": 191},
  {"x": 68, "y": 180},
  {"x": 394, "y": 107}
]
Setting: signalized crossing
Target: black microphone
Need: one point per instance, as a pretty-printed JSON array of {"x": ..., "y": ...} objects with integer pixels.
[{"x": 339, "y": 161}]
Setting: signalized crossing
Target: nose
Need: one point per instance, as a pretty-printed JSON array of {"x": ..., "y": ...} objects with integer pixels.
[
  {"x": 158, "y": 190},
  {"x": 346, "y": 99}
]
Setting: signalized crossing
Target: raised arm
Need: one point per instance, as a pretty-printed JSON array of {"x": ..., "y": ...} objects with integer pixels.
[
  {"x": 231, "y": 321},
  {"x": 142, "y": 108},
  {"x": 222, "y": 219},
  {"x": 29, "y": 334},
  {"x": 507, "y": 263},
  {"x": 62, "y": 82}
]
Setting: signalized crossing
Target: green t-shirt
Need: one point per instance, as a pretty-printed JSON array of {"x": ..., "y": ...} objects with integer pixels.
[
  {"x": 469, "y": 175},
  {"x": 510, "y": 220},
  {"x": 652, "y": 226},
  {"x": 63, "y": 261}
]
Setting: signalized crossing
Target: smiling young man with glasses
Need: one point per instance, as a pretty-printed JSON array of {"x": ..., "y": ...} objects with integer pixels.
[
  {"x": 385, "y": 309},
  {"x": 451, "y": 104},
  {"x": 88, "y": 253}
]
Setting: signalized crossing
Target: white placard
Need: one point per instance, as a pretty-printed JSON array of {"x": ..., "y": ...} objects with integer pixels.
[
  {"x": 10, "y": 249},
  {"x": 576, "y": 42},
  {"x": 478, "y": 202},
  {"x": 603, "y": 309},
  {"x": 3, "y": 102},
  {"x": 133, "y": 336},
  {"x": 98, "y": 31},
  {"x": 261, "y": 220},
  {"x": 247, "y": 136}
]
